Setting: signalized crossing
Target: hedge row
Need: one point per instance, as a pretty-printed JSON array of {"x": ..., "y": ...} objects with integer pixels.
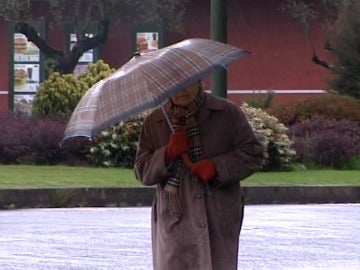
[
  {"x": 331, "y": 106},
  {"x": 36, "y": 140}
]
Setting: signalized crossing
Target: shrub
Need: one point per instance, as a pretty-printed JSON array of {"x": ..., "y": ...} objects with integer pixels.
[
  {"x": 353, "y": 164},
  {"x": 279, "y": 151},
  {"x": 12, "y": 132},
  {"x": 58, "y": 95},
  {"x": 331, "y": 106},
  {"x": 96, "y": 72},
  {"x": 116, "y": 146},
  {"x": 74, "y": 151},
  {"x": 331, "y": 143},
  {"x": 34, "y": 140}
]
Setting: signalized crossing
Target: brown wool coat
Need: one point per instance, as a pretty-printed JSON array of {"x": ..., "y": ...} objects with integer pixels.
[{"x": 206, "y": 236}]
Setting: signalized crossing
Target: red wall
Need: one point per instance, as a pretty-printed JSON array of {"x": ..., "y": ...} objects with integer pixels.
[
  {"x": 281, "y": 54},
  {"x": 281, "y": 57}
]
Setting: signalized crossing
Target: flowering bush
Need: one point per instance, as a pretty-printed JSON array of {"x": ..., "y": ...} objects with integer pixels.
[
  {"x": 328, "y": 142},
  {"x": 279, "y": 151},
  {"x": 116, "y": 146}
]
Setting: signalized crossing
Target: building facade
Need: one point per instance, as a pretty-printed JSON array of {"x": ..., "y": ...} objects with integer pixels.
[{"x": 281, "y": 59}]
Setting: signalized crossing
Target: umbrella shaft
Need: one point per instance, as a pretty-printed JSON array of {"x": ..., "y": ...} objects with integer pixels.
[
  {"x": 167, "y": 118},
  {"x": 185, "y": 158}
]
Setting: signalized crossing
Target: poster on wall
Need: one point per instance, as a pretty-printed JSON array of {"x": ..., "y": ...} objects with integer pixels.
[
  {"x": 27, "y": 68},
  {"x": 24, "y": 50},
  {"x": 80, "y": 69},
  {"x": 23, "y": 103},
  {"x": 26, "y": 77},
  {"x": 147, "y": 41}
]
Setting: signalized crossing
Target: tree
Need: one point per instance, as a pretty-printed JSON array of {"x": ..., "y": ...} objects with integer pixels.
[
  {"x": 80, "y": 13},
  {"x": 342, "y": 25},
  {"x": 345, "y": 45}
]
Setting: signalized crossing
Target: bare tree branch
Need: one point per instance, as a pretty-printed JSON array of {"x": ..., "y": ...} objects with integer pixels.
[
  {"x": 321, "y": 62},
  {"x": 33, "y": 36}
]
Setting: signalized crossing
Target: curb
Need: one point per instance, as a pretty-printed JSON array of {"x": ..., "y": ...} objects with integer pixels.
[{"x": 143, "y": 196}]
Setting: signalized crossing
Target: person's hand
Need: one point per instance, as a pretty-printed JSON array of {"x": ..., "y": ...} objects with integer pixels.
[
  {"x": 178, "y": 145},
  {"x": 204, "y": 170}
]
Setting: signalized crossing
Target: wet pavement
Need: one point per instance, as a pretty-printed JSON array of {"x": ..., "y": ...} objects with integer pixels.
[{"x": 277, "y": 237}]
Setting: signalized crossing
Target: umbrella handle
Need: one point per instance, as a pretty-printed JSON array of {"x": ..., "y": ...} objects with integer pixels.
[{"x": 185, "y": 158}]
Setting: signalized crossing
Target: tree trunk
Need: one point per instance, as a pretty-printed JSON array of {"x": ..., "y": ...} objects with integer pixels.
[{"x": 65, "y": 63}]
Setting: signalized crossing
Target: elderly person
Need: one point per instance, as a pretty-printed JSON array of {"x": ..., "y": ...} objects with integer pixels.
[{"x": 197, "y": 212}]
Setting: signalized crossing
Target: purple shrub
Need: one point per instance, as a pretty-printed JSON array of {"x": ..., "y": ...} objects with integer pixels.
[
  {"x": 34, "y": 140},
  {"x": 13, "y": 134},
  {"x": 74, "y": 151},
  {"x": 331, "y": 148},
  {"x": 327, "y": 142},
  {"x": 44, "y": 137}
]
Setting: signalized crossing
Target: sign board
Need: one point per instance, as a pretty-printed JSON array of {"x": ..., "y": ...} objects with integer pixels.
[
  {"x": 148, "y": 37},
  {"x": 26, "y": 70}
]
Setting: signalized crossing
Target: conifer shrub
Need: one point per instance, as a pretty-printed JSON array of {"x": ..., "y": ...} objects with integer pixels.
[
  {"x": 95, "y": 73},
  {"x": 58, "y": 95}
]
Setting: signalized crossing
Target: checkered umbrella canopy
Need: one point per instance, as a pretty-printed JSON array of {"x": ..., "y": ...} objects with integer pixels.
[{"x": 147, "y": 81}]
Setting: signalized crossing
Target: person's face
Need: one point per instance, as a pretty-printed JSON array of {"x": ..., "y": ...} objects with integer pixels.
[{"x": 186, "y": 96}]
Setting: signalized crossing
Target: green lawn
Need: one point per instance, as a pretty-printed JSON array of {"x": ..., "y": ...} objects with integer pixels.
[{"x": 14, "y": 176}]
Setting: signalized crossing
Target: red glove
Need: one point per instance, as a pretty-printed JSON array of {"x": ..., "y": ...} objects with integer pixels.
[
  {"x": 178, "y": 145},
  {"x": 204, "y": 169}
]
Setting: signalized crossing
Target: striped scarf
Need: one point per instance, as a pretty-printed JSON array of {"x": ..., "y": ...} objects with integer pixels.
[{"x": 184, "y": 117}]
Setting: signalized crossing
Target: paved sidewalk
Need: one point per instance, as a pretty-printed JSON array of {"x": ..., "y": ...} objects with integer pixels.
[{"x": 281, "y": 237}]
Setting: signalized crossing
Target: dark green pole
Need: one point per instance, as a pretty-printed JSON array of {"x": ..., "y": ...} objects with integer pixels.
[{"x": 219, "y": 33}]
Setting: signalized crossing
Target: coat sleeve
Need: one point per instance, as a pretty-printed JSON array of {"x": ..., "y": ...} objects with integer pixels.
[
  {"x": 246, "y": 155},
  {"x": 150, "y": 167}
]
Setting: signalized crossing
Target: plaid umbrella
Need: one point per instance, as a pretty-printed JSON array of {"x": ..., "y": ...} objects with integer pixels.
[{"x": 146, "y": 82}]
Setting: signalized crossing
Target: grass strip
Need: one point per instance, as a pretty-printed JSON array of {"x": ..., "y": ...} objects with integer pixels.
[
  {"x": 307, "y": 177},
  {"x": 28, "y": 176},
  {"x": 25, "y": 176}
]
